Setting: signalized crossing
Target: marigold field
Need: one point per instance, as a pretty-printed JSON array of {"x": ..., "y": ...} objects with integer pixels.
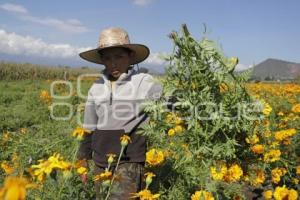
[{"x": 189, "y": 156}]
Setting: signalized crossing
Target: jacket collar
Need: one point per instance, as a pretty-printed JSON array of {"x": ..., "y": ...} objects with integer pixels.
[{"x": 123, "y": 77}]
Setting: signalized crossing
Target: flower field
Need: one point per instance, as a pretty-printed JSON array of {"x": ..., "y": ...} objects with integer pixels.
[{"x": 219, "y": 137}]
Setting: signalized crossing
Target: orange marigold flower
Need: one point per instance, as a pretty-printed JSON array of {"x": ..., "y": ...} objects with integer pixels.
[{"x": 258, "y": 149}]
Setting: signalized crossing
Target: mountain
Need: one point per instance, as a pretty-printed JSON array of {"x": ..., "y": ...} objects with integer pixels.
[{"x": 274, "y": 69}]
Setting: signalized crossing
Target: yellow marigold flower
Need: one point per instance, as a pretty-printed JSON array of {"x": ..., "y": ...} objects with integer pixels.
[
  {"x": 274, "y": 144},
  {"x": 234, "y": 173},
  {"x": 218, "y": 174},
  {"x": 267, "y": 109},
  {"x": 293, "y": 194},
  {"x": 107, "y": 175},
  {"x": 260, "y": 178},
  {"x": 154, "y": 157},
  {"x": 267, "y": 134},
  {"x": 258, "y": 149},
  {"x": 252, "y": 139},
  {"x": 15, "y": 188},
  {"x": 296, "y": 108},
  {"x": 23, "y": 130},
  {"x": 296, "y": 181},
  {"x": 246, "y": 178},
  {"x": 170, "y": 118},
  {"x": 284, "y": 134},
  {"x": 45, "y": 97},
  {"x": 7, "y": 167},
  {"x": 298, "y": 170},
  {"x": 45, "y": 167},
  {"x": 280, "y": 113},
  {"x": 272, "y": 156},
  {"x": 6, "y": 136},
  {"x": 111, "y": 157},
  {"x": 178, "y": 121},
  {"x": 178, "y": 129},
  {"x": 277, "y": 173},
  {"x": 268, "y": 194},
  {"x": 80, "y": 132},
  {"x": 125, "y": 139},
  {"x": 149, "y": 176},
  {"x": 82, "y": 170},
  {"x": 283, "y": 193},
  {"x": 171, "y": 132},
  {"x": 145, "y": 195},
  {"x": 202, "y": 195},
  {"x": 223, "y": 87}
]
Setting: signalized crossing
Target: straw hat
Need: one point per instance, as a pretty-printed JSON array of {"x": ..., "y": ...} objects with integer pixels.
[{"x": 116, "y": 37}]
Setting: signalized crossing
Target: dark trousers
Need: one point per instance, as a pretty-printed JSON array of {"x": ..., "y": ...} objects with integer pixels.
[{"x": 129, "y": 180}]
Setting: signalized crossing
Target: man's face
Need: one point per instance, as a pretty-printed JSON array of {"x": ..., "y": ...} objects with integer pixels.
[{"x": 116, "y": 60}]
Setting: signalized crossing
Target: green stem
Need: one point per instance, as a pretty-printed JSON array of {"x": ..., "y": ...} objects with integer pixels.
[
  {"x": 114, "y": 176},
  {"x": 73, "y": 160}
]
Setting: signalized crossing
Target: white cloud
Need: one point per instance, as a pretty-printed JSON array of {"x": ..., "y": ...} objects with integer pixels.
[
  {"x": 141, "y": 2},
  {"x": 70, "y": 25},
  {"x": 155, "y": 59},
  {"x": 14, "y": 8},
  {"x": 241, "y": 67},
  {"x": 14, "y": 44}
]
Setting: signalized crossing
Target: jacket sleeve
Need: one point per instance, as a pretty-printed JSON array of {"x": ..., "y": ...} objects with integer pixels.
[{"x": 90, "y": 123}]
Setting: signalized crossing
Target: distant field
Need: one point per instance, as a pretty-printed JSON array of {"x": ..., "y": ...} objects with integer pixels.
[{"x": 14, "y": 71}]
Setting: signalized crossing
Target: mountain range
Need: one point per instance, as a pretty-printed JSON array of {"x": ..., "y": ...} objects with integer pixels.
[{"x": 275, "y": 69}]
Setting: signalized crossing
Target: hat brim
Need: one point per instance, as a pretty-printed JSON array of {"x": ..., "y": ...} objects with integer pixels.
[{"x": 141, "y": 53}]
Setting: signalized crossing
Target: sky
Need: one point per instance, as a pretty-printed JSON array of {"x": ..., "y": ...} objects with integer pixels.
[{"x": 54, "y": 32}]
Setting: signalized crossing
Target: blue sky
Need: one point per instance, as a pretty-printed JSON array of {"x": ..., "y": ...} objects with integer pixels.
[{"x": 53, "y": 32}]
